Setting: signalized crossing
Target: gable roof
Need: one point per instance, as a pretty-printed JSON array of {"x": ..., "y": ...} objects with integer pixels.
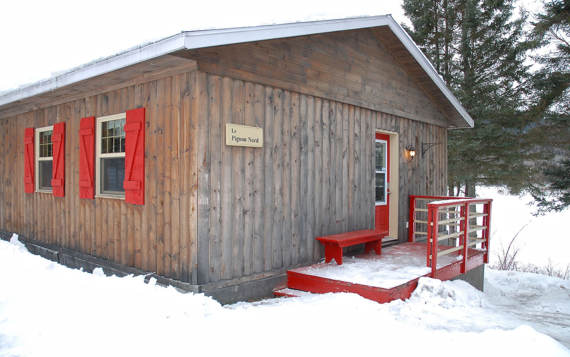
[{"x": 191, "y": 40}]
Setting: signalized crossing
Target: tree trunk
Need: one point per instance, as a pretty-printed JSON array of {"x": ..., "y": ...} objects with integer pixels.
[{"x": 469, "y": 189}]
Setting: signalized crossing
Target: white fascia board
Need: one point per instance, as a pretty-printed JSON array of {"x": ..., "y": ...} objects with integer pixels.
[
  {"x": 219, "y": 37},
  {"x": 97, "y": 68},
  {"x": 428, "y": 68}
]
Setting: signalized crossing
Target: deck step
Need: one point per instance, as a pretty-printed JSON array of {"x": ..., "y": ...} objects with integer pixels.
[{"x": 288, "y": 292}]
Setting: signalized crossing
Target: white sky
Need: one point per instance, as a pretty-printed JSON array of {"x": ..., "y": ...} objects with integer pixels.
[{"x": 40, "y": 38}]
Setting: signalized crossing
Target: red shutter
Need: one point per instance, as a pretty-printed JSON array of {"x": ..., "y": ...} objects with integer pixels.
[
  {"x": 29, "y": 160},
  {"x": 58, "y": 168},
  {"x": 87, "y": 158},
  {"x": 134, "y": 156}
]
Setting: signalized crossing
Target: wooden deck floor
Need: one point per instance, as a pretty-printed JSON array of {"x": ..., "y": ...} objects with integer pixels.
[{"x": 390, "y": 276}]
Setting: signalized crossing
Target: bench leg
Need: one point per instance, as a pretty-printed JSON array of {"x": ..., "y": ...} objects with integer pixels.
[
  {"x": 377, "y": 246},
  {"x": 333, "y": 251}
]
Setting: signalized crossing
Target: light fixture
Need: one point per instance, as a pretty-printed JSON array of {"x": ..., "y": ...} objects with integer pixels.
[
  {"x": 427, "y": 146},
  {"x": 411, "y": 152}
]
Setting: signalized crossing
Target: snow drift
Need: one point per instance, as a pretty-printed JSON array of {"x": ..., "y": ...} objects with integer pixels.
[{"x": 49, "y": 310}]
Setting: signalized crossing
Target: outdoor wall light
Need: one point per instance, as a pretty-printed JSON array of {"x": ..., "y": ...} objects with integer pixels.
[
  {"x": 411, "y": 152},
  {"x": 427, "y": 146}
]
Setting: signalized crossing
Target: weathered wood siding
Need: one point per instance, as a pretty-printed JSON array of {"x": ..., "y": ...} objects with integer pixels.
[
  {"x": 355, "y": 67},
  {"x": 159, "y": 236},
  {"x": 425, "y": 175},
  {"x": 214, "y": 212},
  {"x": 261, "y": 208}
]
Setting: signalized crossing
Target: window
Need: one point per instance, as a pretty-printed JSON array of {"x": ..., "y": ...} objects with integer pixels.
[
  {"x": 110, "y": 156},
  {"x": 381, "y": 172},
  {"x": 44, "y": 159}
]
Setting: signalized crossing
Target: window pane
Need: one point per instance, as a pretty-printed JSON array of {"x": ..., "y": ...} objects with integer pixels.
[
  {"x": 380, "y": 187},
  {"x": 44, "y": 174},
  {"x": 116, "y": 144},
  {"x": 112, "y": 134},
  {"x": 112, "y": 175},
  {"x": 380, "y": 155},
  {"x": 45, "y": 149}
]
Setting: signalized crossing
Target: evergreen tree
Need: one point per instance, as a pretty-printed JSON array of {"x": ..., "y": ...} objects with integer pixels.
[
  {"x": 479, "y": 48},
  {"x": 555, "y": 195},
  {"x": 552, "y": 104}
]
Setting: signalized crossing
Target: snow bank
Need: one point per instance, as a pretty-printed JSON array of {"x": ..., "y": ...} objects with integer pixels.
[
  {"x": 50, "y": 310},
  {"x": 446, "y": 294},
  {"x": 47, "y": 309}
]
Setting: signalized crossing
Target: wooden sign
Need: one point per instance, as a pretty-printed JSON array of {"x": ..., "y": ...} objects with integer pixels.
[{"x": 242, "y": 135}]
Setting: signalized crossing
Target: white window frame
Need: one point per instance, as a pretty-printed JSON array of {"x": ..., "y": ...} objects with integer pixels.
[
  {"x": 99, "y": 156},
  {"x": 385, "y": 202},
  {"x": 38, "y": 158}
]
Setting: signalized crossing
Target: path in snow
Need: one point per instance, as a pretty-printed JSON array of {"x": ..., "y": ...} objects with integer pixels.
[{"x": 537, "y": 300}]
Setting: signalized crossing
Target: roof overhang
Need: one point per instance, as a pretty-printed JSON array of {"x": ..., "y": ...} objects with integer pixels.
[{"x": 218, "y": 37}]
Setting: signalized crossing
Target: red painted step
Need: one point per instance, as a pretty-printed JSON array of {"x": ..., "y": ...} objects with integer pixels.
[
  {"x": 314, "y": 284},
  {"x": 288, "y": 292}
]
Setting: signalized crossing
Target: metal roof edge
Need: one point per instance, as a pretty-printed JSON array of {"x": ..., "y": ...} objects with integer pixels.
[
  {"x": 96, "y": 68},
  {"x": 419, "y": 56},
  {"x": 219, "y": 37}
]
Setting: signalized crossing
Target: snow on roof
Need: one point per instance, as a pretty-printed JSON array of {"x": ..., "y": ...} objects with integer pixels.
[{"x": 189, "y": 40}]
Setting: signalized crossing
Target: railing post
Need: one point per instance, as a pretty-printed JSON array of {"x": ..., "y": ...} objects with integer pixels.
[
  {"x": 487, "y": 232},
  {"x": 465, "y": 215},
  {"x": 429, "y": 237},
  {"x": 433, "y": 213},
  {"x": 411, "y": 223}
]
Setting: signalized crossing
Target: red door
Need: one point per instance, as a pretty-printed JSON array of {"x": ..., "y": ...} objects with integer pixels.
[{"x": 382, "y": 181}]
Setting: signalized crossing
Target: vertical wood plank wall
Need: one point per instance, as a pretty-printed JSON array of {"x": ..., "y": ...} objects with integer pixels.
[
  {"x": 356, "y": 67},
  {"x": 159, "y": 236},
  {"x": 260, "y": 208},
  {"x": 215, "y": 212}
]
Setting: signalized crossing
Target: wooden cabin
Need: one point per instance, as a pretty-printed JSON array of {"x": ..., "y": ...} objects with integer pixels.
[{"x": 214, "y": 158}]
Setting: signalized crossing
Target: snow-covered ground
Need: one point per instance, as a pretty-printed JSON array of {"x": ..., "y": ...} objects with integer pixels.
[
  {"x": 49, "y": 310},
  {"x": 544, "y": 240}
]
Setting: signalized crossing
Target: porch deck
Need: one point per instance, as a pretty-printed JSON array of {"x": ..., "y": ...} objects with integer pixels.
[
  {"x": 462, "y": 222},
  {"x": 390, "y": 276}
]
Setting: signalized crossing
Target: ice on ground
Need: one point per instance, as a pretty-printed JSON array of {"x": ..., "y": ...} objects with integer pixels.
[{"x": 50, "y": 310}]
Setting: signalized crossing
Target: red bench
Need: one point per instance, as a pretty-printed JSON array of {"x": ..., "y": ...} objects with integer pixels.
[{"x": 334, "y": 243}]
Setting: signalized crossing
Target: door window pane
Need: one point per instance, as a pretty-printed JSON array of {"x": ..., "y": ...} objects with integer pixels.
[
  {"x": 380, "y": 187},
  {"x": 380, "y": 155},
  {"x": 381, "y": 172}
]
